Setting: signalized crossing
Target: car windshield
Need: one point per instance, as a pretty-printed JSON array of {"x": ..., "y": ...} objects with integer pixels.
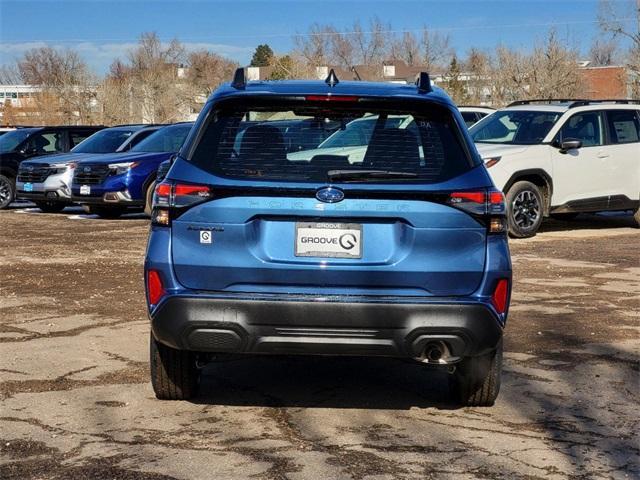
[
  {"x": 167, "y": 139},
  {"x": 402, "y": 144},
  {"x": 514, "y": 127},
  {"x": 10, "y": 140},
  {"x": 357, "y": 132},
  {"x": 104, "y": 141}
]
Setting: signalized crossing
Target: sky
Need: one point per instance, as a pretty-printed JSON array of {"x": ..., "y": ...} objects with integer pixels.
[{"x": 102, "y": 30}]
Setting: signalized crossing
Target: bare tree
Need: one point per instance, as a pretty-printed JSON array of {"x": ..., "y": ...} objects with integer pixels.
[
  {"x": 314, "y": 47},
  {"x": 603, "y": 52},
  {"x": 67, "y": 87},
  {"x": 554, "y": 72},
  {"x": 207, "y": 70},
  {"x": 436, "y": 50},
  {"x": 407, "y": 49},
  {"x": 371, "y": 46},
  {"x": 9, "y": 75},
  {"x": 622, "y": 20},
  {"x": 478, "y": 69},
  {"x": 510, "y": 76}
]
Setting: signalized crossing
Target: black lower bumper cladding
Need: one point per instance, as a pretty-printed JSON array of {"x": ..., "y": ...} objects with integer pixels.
[{"x": 224, "y": 325}]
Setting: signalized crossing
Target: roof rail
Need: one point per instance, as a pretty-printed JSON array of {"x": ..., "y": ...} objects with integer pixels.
[
  {"x": 332, "y": 79},
  {"x": 477, "y": 106},
  {"x": 239, "y": 81},
  {"x": 423, "y": 82},
  {"x": 545, "y": 100},
  {"x": 620, "y": 101}
]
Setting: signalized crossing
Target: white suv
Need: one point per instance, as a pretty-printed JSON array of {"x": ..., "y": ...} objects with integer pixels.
[{"x": 562, "y": 157}]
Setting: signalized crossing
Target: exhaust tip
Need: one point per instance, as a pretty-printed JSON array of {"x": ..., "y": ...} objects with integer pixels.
[{"x": 434, "y": 351}]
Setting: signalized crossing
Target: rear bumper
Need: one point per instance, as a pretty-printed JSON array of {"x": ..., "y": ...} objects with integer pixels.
[{"x": 323, "y": 326}]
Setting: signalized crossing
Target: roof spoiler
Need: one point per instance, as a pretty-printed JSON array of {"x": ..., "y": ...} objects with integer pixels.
[
  {"x": 423, "y": 82},
  {"x": 239, "y": 81}
]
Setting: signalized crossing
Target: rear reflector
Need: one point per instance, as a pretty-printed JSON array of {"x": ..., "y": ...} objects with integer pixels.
[
  {"x": 155, "y": 289},
  {"x": 500, "y": 295}
]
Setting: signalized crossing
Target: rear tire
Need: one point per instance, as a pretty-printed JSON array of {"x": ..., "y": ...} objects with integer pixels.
[
  {"x": 636, "y": 217},
  {"x": 149, "y": 199},
  {"x": 565, "y": 217},
  {"x": 104, "y": 212},
  {"x": 174, "y": 375},
  {"x": 476, "y": 381},
  {"x": 7, "y": 191},
  {"x": 525, "y": 208},
  {"x": 50, "y": 207}
]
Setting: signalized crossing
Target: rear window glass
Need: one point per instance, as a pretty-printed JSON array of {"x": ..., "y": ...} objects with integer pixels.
[{"x": 245, "y": 141}]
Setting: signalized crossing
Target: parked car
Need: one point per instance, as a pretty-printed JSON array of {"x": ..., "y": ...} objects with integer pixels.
[
  {"x": 112, "y": 184},
  {"x": 352, "y": 139},
  {"x": 46, "y": 180},
  {"x": 4, "y": 130},
  {"x": 401, "y": 254},
  {"x": 560, "y": 158},
  {"x": 23, "y": 143},
  {"x": 473, "y": 114}
]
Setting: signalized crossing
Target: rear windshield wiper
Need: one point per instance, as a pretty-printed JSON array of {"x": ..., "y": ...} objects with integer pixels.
[{"x": 356, "y": 175}]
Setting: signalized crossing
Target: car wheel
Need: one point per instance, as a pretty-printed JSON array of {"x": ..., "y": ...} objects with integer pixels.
[
  {"x": 636, "y": 217},
  {"x": 525, "y": 208},
  {"x": 7, "y": 191},
  {"x": 476, "y": 381},
  {"x": 174, "y": 375},
  {"x": 50, "y": 207},
  {"x": 104, "y": 212},
  {"x": 149, "y": 199},
  {"x": 565, "y": 217}
]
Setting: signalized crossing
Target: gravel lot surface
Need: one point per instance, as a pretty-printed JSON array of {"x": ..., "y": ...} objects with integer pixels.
[{"x": 75, "y": 401}]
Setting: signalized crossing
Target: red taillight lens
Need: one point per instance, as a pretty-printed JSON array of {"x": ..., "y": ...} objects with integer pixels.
[
  {"x": 155, "y": 289},
  {"x": 168, "y": 195},
  {"x": 500, "y": 296},
  {"x": 480, "y": 202},
  {"x": 331, "y": 98}
]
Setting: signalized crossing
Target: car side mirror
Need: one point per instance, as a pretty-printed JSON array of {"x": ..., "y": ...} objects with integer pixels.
[
  {"x": 172, "y": 158},
  {"x": 570, "y": 144}
]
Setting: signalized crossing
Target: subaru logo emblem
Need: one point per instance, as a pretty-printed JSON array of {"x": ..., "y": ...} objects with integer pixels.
[
  {"x": 86, "y": 169},
  {"x": 330, "y": 195}
]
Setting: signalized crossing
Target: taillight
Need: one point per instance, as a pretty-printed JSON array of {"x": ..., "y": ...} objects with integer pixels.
[
  {"x": 500, "y": 296},
  {"x": 331, "y": 98},
  {"x": 170, "y": 196},
  {"x": 155, "y": 289},
  {"x": 482, "y": 203}
]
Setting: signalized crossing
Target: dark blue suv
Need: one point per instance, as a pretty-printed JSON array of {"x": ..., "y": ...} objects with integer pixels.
[
  {"x": 110, "y": 185},
  {"x": 392, "y": 244}
]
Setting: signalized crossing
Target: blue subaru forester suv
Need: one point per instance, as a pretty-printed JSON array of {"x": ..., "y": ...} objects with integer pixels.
[{"x": 394, "y": 246}]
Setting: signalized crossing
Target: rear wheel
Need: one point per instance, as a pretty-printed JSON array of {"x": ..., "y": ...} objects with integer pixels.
[
  {"x": 149, "y": 199},
  {"x": 476, "y": 381},
  {"x": 174, "y": 375},
  {"x": 525, "y": 209},
  {"x": 104, "y": 212},
  {"x": 636, "y": 217},
  {"x": 564, "y": 216},
  {"x": 50, "y": 207},
  {"x": 7, "y": 191}
]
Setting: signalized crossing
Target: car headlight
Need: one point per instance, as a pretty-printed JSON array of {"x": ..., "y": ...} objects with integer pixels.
[
  {"x": 59, "y": 167},
  {"x": 123, "y": 167},
  {"x": 491, "y": 161}
]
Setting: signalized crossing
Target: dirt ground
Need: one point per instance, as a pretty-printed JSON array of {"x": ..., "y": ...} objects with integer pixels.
[{"x": 76, "y": 403}]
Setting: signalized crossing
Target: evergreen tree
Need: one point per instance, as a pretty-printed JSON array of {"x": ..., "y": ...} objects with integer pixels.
[{"x": 262, "y": 57}]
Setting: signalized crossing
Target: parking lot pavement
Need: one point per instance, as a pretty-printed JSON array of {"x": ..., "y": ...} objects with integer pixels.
[{"x": 76, "y": 402}]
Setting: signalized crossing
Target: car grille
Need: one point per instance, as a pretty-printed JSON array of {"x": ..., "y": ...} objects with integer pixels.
[
  {"x": 90, "y": 174},
  {"x": 34, "y": 175}
]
